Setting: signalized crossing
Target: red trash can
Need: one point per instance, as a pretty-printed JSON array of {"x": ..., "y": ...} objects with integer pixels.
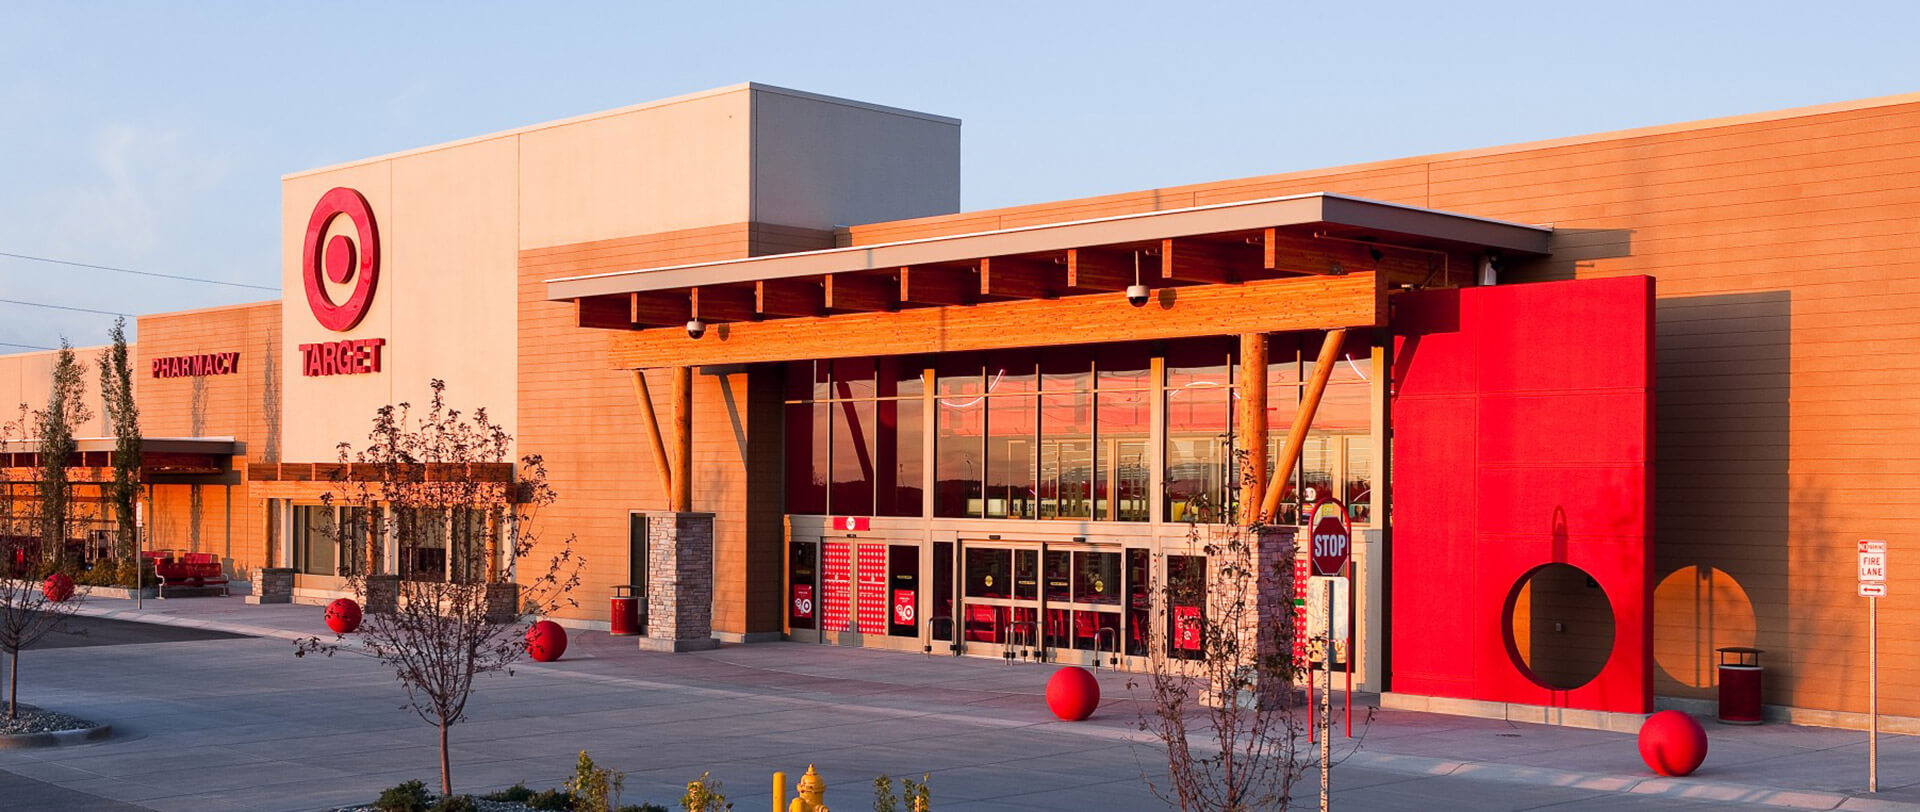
[
  {"x": 1739, "y": 685},
  {"x": 626, "y": 612}
]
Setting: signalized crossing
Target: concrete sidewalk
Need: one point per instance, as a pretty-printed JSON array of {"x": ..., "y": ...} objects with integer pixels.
[{"x": 979, "y": 726}]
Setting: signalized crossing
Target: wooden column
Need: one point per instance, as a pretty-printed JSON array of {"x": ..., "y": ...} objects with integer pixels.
[
  {"x": 1303, "y": 420},
  {"x": 1253, "y": 424},
  {"x": 652, "y": 422},
  {"x": 682, "y": 487}
]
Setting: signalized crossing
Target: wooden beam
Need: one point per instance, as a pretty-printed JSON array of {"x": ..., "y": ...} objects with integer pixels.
[
  {"x": 1098, "y": 269},
  {"x": 664, "y": 308},
  {"x": 938, "y": 286},
  {"x": 682, "y": 492},
  {"x": 857, "y": 293},
  {"x": 1017, "y": 278},
  {"x": 1298, "y": 253},
  {"x": 650, "y": 421},
  {"x": 1206, "y": 262},
  {"x": 604, "y": 312},
  {"x": 714, "y": 303},
  {"x": 1264, "y": 305},
  {"x": 1253, "y": 424},
  {"x": 790, "y": 297},
  {"x": 1303, "y": 420}
]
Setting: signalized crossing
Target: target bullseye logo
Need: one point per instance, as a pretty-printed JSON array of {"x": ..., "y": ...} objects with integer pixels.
[{"x": 342, "y": 260}]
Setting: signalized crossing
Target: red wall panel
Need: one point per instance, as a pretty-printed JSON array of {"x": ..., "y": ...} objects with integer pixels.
[{"x": 1522, "y": 431}]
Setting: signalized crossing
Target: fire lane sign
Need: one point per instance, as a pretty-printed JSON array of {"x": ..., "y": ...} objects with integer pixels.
[{"x": 1873, "y": 568}]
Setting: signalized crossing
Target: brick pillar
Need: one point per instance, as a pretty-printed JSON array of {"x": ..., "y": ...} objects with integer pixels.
[
  {"x": 679, "y": 582},
  {"x": 272, "y": 585}
]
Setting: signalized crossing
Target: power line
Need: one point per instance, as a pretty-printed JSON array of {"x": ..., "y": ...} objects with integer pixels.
[
  {"x": 138, "y": 273},
  {"x": 25, "y": 346},
  {"x": 62, "y": 307}
]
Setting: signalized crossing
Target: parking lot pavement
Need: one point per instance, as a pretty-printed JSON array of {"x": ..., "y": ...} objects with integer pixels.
[{"x": 239, "y": 723}]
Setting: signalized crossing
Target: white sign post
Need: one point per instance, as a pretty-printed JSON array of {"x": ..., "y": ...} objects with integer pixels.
[{"x": 1873, "y": 587}]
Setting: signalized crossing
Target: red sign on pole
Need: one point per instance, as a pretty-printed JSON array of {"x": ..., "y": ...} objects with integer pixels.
[{"x": 1330, "y": 542}]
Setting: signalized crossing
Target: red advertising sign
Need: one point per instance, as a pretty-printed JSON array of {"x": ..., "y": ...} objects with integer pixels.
[
  {"x": 195, "y": 366},
  {"x": 1186, "y": 627},
  {"x": 1330, "y": 542},
  {"x": 854, "y": 523},
  {"x": 803, "y": 601},
  {"x": 903, "y": 607},
  {"x": 340, "y": 260}
]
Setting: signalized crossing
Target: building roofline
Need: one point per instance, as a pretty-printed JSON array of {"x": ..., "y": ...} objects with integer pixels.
[{"x": 743, "y": 87}]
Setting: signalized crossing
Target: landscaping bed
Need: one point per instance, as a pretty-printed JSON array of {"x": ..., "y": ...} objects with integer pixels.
[{"x": 39, "y": 727}]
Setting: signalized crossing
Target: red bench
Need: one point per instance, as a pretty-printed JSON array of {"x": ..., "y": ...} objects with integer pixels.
[{"x": 197, "y": 570}]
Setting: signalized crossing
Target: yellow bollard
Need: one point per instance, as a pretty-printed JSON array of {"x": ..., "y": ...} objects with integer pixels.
[
  {"x": 812, "y": 792},
  {"x": 779, "y": 792}
]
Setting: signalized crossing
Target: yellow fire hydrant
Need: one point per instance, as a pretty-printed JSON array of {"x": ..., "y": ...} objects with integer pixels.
[{"x": 812, "y": 793}]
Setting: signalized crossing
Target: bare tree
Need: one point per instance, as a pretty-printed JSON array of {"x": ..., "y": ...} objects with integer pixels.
[
  {"x": 26, "y": 613},
  {"x": 443, "y": 490},
  {"x": 1220, "y": 674},
  {"x": 53, "y": 427},
  {"x": 123, "y": 417}
]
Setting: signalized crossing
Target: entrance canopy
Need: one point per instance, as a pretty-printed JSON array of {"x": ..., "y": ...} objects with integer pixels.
[
  {"x": 159, "y": 456},
  {"x": 1303, "y": 262}
]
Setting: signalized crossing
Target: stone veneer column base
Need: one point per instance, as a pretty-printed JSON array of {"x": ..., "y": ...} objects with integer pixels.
[
  {"x": 383, "y": 594},
  {"x": 679, "y": 582},
  {"x": 272, "y": 585}
]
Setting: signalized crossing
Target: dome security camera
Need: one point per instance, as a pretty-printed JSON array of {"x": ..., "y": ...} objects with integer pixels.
[
  {"x": 1137, "y": 295},
  {"x": 696, "y": 329}
]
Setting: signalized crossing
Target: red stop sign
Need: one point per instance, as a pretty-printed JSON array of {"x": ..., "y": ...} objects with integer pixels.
[{"x": 1329, "y": 542}]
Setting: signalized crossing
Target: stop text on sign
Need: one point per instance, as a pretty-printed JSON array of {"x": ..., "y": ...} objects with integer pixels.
[
  {"x": 194, "y": 366},
  {"x": 1331, "y": 539},
  {"x": 350, "y": 357}
]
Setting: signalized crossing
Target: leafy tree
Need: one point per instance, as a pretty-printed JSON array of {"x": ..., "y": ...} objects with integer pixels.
[
  {"x": 428, "y": 484},
  {"x": 123, "y": 415},
  {"x": 66, "y": 408},
  {"x": 26, "y": 613}
]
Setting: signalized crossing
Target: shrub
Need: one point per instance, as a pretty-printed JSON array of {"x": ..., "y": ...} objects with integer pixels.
[
  {"x": 594, "y": 788},
  {"x": 704, "y": 795},
  {"x": 456, "y": 803},
  {"x": 408, "y": 797},
  {"x": 517, "y": 794},
  {"x": 642, "y": 807},
  {"x": 555, "y": 800}
]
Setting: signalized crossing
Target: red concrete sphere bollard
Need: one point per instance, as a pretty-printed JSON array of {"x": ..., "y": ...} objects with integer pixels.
[
  {"x": 1672, "y": 743},
  {"x": 1073, "y": 693},
  {"x": 58, "y": 588},
  {"x": 546, "y": 641},
  {"x": 343, "y": 615}
]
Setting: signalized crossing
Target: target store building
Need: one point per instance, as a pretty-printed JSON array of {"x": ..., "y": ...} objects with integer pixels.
[{"x": 1593, "y": 408}]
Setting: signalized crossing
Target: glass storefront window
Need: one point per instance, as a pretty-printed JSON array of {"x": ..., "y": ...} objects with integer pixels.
[
  {"x": 1066, "y": 456},
  {"x": 902, "y": 470},
  {"x": 806, "y": 457},
  {"x": 1359, "y": 479},
  {"x": 989, "y": 572},
  {"x": 1122, "y": 477},
  {"x": 1186, "y": 606},
  {"x": 1010, "y": 492},
  {"x": 851, "y": 459},
  {"x": 1059, "y": 575},
  {"x": 960, "y": 456},
  {"x": 1096, "y": 578},
  {"x": 315, "y": 550}
]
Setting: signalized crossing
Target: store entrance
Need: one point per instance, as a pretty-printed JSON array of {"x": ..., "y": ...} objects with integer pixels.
[{"x": 1044, "y": 602}]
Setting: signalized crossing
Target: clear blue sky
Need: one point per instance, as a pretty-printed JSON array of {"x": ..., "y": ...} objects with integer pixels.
[{"x": 152, "y": 136}]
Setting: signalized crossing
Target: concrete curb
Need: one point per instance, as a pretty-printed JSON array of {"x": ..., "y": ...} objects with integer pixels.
[
  {"x": 1687, "y": 789},
  {"x": 55, "y": 738}
]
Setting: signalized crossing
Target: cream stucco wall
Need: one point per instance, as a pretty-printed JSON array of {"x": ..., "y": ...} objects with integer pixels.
[
  {"x": 27, "y": 378},
  {"x": 453, "y": 217}
]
